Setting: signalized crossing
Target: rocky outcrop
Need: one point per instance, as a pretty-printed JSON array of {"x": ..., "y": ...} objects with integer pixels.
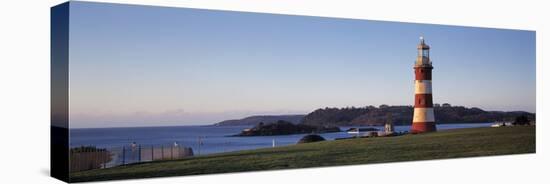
[
  {"x": 311, "y": 138},
  {"x": 285, "y": 128}
]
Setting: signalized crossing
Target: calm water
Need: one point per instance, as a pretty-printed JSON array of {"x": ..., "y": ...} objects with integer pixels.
[{"x": 214, "y": 139}]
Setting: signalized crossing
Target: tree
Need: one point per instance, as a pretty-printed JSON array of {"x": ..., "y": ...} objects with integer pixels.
[{"x": 521, "y": 120}]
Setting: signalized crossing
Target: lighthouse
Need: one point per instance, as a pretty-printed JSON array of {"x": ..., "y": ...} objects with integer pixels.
[{"x": 423, "y": 116}]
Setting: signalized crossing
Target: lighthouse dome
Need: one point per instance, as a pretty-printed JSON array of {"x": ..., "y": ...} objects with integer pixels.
[{"x": 422, "y": 45}]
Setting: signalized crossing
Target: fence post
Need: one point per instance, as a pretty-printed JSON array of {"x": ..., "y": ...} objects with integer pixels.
[
  {"x": 92, "y": 159},
  {"x": 123, "y": 155},
  {"x": 152, "y": 153},
  {"x": 105, "y": 156},
  {"x": 139, "y": 153},
  {"x": 162, "y": 152},
  {"x": 171, "y": 152},
  {"x": 200, "y": 142},
  {"x": 81, "y": 163}
]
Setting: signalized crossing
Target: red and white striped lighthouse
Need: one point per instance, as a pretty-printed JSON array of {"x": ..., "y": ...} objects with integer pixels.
[{"x": 423, "y": 118}]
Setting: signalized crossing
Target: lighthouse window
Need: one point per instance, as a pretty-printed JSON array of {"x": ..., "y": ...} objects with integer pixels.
[{"x": 426, "y": 53}]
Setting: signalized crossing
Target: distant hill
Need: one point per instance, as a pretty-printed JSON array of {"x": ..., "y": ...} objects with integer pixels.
[
  {"x": 254, "y": 120},
  {"x": 402, "y": 115}
]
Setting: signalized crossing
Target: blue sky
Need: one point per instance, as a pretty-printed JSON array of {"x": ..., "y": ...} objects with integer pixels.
[{"x": 150, "y": 66}]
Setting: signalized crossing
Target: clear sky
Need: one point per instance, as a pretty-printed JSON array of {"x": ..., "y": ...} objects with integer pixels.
[{"x": 153, "y": 66}]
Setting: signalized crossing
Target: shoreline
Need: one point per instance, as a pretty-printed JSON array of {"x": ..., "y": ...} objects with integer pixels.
[{"x": 223, "y": 135}]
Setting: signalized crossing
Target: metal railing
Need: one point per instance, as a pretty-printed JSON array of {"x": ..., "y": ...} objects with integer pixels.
[{"x": 88, "y": 157}]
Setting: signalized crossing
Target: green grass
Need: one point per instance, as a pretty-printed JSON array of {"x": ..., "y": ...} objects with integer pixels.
[{"x": 438, "y": 145}]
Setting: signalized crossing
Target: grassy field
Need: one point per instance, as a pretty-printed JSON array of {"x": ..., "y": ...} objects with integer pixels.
[{"x": 438, "y": 145}]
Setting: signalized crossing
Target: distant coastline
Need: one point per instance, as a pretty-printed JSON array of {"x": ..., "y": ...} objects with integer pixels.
[
  {"x": 243, "y": 126},
  {"x": 376, "y": 116},
  {"x": 364, "y": 116},
  {"x": 254, "y": 120}
]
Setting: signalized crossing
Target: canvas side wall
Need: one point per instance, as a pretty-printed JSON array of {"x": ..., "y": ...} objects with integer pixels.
[{"x": 59, "y": 58}]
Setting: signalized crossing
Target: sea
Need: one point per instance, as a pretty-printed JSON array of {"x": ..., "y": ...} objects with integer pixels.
[{"x": 206, "y": 139}]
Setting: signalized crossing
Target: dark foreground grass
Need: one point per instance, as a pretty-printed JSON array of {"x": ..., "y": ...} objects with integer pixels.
[{"x": 438, "y": 145}]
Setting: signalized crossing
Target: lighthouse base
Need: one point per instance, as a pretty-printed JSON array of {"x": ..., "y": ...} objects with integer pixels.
[{"x": 423, "y": 127}]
